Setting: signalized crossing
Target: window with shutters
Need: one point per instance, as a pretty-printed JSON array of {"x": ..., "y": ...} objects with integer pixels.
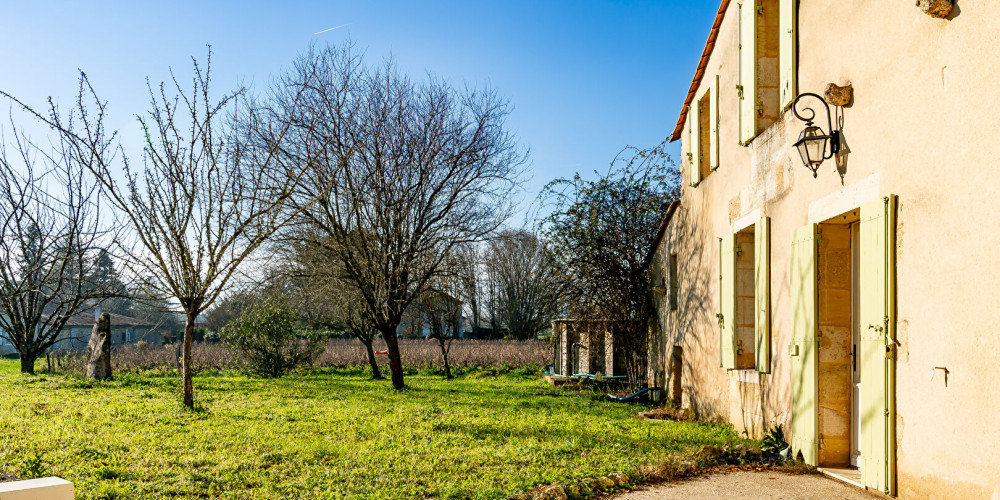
[
  {"x": 767, "y": 64},
  {"x": 704, "y": 132},
  {"x": 744, "y": 285},
  {"x": 703, "y": 138},
  {"x": 767, "y": 46},
  {"x": 745, "y": 299}
]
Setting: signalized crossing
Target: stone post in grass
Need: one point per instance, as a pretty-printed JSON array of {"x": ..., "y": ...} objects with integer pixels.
[
  {"x": 99, "y": 349},
  {"x": 676, "y": 367}
]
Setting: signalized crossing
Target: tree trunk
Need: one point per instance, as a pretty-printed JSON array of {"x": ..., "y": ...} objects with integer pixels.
[
  {"x": 99, "y": 349},
  {"x": 28, "y": 363},
  {"x": 186, "y": 361},
  {"x": 395, "y": 361},
  {"x": 376, "y": 373},
  {"x": 444, "y": 356}
]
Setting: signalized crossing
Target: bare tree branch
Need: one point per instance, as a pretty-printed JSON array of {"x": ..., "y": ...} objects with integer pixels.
[
  {"x": 52, "y": 244},
  {"x": 409, "y": 171},
  {"x": 209, "y": 193}
]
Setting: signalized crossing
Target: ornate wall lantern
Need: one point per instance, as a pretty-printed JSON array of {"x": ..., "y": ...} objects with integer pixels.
[{"x": 812, "y": 143}]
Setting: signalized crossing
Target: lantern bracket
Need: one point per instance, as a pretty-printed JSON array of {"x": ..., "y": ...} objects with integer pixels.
[{"x": 808, "y": 115}]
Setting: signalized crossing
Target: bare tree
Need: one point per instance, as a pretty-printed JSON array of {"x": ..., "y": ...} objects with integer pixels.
[
  {"x": 439, "y": 306},
  {"x": 228, "y": 308},
  {"x": 51, "y": 236},
  {"x": 210, "y": 192},
  {"x": 469, "y": 286},
  {"x": 318, "y": 290},
  {"x": 414, "y": 169},
  {"x": 601, "y": 230},
  {"x": 157, "y": 312},
  {"x": 524, "y": 283},
  {"x": 442, "y": 313}
]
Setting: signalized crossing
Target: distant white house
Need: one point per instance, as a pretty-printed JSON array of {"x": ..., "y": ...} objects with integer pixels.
[
  {"x": 416, "y": 322},
  {"x": 76, "y": 334}
]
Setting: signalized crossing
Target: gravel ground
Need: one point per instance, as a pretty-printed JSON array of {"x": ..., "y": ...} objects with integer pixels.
[{"x": 744, "y": 485}]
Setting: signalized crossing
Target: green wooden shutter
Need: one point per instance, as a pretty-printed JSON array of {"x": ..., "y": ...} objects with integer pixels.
[
  {"x": 804, "y": 347},
  {"x": 788, "y": 51},
  {"x": 762, "y": 294},
  {"x": 727, "y": 301},
  {"x": 713, "y": 116},
  {"x": 694, "y": 117},
  {"x": 747, "y": 87},
  {"x": 876, "y": 312}
]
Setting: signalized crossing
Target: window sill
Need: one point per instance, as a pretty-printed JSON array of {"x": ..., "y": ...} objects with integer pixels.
[{"x": 775, "y": 128}]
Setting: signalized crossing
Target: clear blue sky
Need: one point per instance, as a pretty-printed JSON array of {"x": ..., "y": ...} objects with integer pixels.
[{"x": 586, "y": 78}]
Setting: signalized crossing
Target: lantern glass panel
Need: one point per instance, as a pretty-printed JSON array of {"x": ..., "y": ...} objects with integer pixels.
[{"x": 812, "y": 145}]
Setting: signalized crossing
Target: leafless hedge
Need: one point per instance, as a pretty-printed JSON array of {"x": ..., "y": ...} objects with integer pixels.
[
  {"x": 419, "y": 353},
  {"x": 339, "y": 353},
  {"x": 141, "y": 357}
]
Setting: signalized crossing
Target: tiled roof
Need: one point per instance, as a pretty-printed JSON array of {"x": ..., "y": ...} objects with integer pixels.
[
  {"x": 117, "y": 320},
  {"x": 699, "y": 73}
]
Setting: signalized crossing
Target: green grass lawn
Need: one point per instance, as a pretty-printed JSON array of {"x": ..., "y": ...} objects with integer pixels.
[{"x": 325, "y": 435}]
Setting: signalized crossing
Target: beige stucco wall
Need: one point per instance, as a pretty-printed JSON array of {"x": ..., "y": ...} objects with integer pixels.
[{"x": 922, "y": 126}]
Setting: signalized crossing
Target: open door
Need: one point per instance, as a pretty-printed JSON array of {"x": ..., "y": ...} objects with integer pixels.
[
  {"x": 876, "y": 310},
  {"x": 804, "y": 348}
]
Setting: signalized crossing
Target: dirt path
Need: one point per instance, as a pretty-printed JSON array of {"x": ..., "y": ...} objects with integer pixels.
[{"x": 756, "y": 485}]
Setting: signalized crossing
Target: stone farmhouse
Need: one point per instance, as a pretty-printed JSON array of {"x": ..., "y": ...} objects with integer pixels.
[{"x": 830, "y": 264}]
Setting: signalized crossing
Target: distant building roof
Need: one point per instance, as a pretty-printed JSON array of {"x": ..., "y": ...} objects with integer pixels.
[{"x": 87, "y": 319}]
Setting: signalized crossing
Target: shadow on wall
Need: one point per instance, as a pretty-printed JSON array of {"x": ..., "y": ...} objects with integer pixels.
[
  {"x": 693, "y": 325},
  {"x": 708, "y": 388},
  {"x": 696, "y": 326},
  {"x": 842, "y": 155}
]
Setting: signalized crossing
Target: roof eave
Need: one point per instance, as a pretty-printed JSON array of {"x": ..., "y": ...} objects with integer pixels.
[
  {"x": 699, "y": 73},
  {"x": 660, "y": 231}
]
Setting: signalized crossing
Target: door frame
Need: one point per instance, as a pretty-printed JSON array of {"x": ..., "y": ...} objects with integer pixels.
[{"x": 855, "y": 452}]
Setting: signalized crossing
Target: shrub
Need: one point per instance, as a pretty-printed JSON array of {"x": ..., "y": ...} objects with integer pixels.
[
  {"x": 773, "y": 443},
  {"x": 199, "y": 333},
  {"x": 265, "y": 333}
]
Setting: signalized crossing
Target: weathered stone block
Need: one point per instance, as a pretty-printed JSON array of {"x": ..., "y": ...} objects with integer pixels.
[
  {"x": 836, "y": 307},
  {"x": 835, "y": 451},
  {"x": 835, "y": 386},
  {"x": 551, "y": 493},
  {"x": 835, "y": 423},
  {"x": 835, "y": 346},
  {"x": 99, "y": 349},
  {"x": 936, "y": 8},
  {"x": 619, "y": 478},
  {"x": 838, "y": 95},
  {"x": 734, "y": 208}
]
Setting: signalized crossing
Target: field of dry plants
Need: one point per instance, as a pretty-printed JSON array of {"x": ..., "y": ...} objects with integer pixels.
[{"x": 418, "y": 354}]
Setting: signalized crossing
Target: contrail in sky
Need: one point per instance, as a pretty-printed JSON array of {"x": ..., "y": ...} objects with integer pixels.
[{"x": 331, "y": 29}]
